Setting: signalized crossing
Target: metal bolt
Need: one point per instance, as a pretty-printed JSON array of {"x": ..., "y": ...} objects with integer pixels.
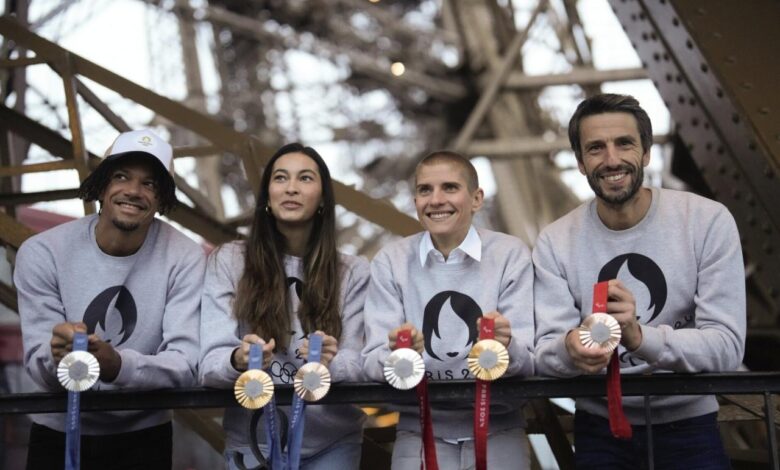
[
  {"x": 766, "y": 227},
  {"x": 767, "y": 247},
  {"x": 763, "y": 110},
  {"x": 731, "y": 59},
  {"x": 746, "y": 85},
  {"x": 769, "y": 172}
]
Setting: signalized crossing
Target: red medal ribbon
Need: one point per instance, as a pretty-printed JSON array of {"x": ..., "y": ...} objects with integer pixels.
[
  {"x": 428, "y": 459},
  {"x": 618, "y": 423},
  {"x": 482, "y": 403}
]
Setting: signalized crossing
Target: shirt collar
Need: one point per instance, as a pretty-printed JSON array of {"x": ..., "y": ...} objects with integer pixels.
[{"x": 471, "y": 245}]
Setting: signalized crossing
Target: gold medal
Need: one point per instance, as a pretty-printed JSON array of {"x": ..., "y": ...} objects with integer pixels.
[
  {"x": 312, "y": 381},
  {"x": 254, "y": 389},
  {"x": 488, "y": 359},
  {"x": 78, "y": 371},
  {"x": 404, "y": 368},
  {"x": 600, "y": 329}
]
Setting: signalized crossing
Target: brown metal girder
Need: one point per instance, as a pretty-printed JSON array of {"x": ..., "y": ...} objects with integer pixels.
[
  {"x": 8, "y": 297},
  {"x": 205, "y": 226},
  {"x": 722, "y": 146},
  {"x": 102, "y": 108},
  {"x": 577, "y": 76},
  {"x": 378, "y": 212},
  {"x": 32, "y": 131},
  {"x": 17, "y": 170},
  {"x": 15, "y": 199},
  {"x": 556, "y": 437},
  {"x": 12, "y": 232},
  {"x": 23, "y": 62},
  {"x": 741, "y": 43},
  {"x": 496, "y": 82}
]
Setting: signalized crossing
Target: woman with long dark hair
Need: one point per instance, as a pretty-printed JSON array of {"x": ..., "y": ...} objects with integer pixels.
[{"x": 284, "y": 283}]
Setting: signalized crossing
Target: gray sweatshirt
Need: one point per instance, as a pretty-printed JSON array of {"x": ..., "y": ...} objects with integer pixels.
[
  {"x": 221, "y": 333},
  {"x": 146, "y": 305},
  {"x": 444, "y": 301},
  {"x": 683, "y": 264}
]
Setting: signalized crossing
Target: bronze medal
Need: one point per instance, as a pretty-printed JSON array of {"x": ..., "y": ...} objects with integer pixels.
[
  {"x": 312, "y": 381},
  {"x": 254, "y": 389}
]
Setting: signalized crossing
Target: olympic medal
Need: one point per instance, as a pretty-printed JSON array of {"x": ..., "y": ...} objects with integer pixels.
[
  {"x": 312, "y": 381},
  {"x": 488, "y": 359},
  {"x": 78, "y": 371},
  {"x": 254, "y": 389},
  {"x": 600, "y": 329},
  {"x": 404, "y": 368}
]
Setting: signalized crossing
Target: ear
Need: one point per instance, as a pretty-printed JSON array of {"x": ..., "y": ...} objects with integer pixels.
[
  {"x": 646, "y": 158},
  {"x": 581, "y": 166},
  {"x": 477, "y": 198}
]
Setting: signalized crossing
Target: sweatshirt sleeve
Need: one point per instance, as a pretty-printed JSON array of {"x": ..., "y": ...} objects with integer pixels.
[
  {"x": 175, "y": 362},
  {"x": 516, "y": 303},
  {"x": 219, "y": 328},
  {"x": 555, "y": 313},
  {"x": 40, "y": 309},
  {"x": 384, "y": 312},
  {"x": 717, "y": 341},
  {"x": 347, "y": 364}
]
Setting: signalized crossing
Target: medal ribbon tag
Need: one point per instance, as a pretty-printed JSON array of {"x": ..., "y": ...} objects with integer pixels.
[
  {"x": 428, "y": 459},
  {"x": 618, "y": 423},
  {"x": 298, "y": 409},
  {"x": 72, "y": 420},
  {"x": 482, "y": 403}
]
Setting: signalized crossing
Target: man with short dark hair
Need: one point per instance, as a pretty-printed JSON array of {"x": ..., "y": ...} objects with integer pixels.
[
  {"x": 132, "y": 283},
  {"x": 676, "y": 288}
]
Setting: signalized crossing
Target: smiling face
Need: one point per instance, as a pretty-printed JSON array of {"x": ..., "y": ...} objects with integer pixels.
[
  {"x": 613, "y": 159},
  {"x": 445, "y": 206},
  {"x": 295, "y": 189},
  {"x": 130, "y": 200}
]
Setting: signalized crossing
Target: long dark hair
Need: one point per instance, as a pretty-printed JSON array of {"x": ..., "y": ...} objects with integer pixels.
[{"x": 262, "y": 300}]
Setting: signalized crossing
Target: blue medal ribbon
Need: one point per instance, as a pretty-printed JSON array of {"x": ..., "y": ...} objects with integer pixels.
[
  {"x": 72, "y": 420},
  {"x": 269, "y": 414},
  {"x": 298, "y": 408}
]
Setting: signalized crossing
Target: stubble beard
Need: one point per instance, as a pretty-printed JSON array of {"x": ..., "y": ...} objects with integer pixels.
[
  {"x": 125, "y": 226},
  {"x": 636, "y": 172}
]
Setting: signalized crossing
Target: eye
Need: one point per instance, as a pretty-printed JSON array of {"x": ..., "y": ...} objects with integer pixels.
[
  {"x": 279, "y": 177},
  {"x": 150, "y": 184},
  {"x": 423, "y": 190},
  {"x": 119, "y": 176},
  {"x": 451, "y": 188},
  {"x": 307, "y": 178}
]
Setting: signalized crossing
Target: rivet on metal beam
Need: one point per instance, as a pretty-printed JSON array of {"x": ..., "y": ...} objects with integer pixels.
[
  {"x": 751, "y": 200},
  {"x": 751, "y": 220},
  {"x": 689, "y": 44},
  {"x": 763, "y": 110},
  {"x": 731, "y": 59},
  {"x": 675, "y": 22},
  {"x": 704, "y": 68},
  {"x": 722, "y": 168},
  {"x": 735, "y": 118},
  {"x": 769, "y": 172},
  {"x": 746, "y": 85},
  {"x": 767, "y": 247},
  {"x": 766, "y": 227},
  {"x": 719, "y": 93},
  {"x": 773, "y": 292},
  {"x": 736, "y": 194},
  {"x": 701, "y": 11},
  {"x": 717, "y": 35},
  {"x": 735, "y": 174}
]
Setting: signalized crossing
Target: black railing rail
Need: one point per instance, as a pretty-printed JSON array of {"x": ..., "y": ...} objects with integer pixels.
[
  {"x": 737, "y": 383},
  {"x": 745, "y": 383}
]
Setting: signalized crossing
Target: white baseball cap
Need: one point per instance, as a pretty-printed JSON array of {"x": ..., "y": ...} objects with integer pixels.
[{"x": 142, "y": 141}]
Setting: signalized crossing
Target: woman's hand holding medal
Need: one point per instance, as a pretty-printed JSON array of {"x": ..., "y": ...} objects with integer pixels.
[
  {"x": 330, "y": 347},
  {"x": 240, "y": 357}
]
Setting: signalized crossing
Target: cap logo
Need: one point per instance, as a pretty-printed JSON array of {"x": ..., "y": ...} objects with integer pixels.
[{"x": 146, "y": 141}]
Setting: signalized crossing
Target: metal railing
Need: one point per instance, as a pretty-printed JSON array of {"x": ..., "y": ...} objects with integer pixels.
[{"x": 740, "y": 383}]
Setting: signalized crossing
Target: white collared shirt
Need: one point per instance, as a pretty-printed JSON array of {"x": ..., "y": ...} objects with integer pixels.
[{"x": 470, "y": 246}]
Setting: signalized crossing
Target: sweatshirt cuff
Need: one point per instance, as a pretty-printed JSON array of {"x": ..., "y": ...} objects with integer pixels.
[
  {"x": 652, "y": 344},
  {"x": 564, "y": 366},
  {"x": 129, "y": 365}
]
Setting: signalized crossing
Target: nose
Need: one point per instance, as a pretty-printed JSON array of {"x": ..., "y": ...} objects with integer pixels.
[
  {"x": 437, "y": 197},
  {"x": 292, "y": 187},
  {"x": 611, "y": 157},
  {"x": 133, "y": 186}
]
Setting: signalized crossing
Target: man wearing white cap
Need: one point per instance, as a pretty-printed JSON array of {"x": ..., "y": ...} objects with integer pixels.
[{"x": 132, "y": 283}]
